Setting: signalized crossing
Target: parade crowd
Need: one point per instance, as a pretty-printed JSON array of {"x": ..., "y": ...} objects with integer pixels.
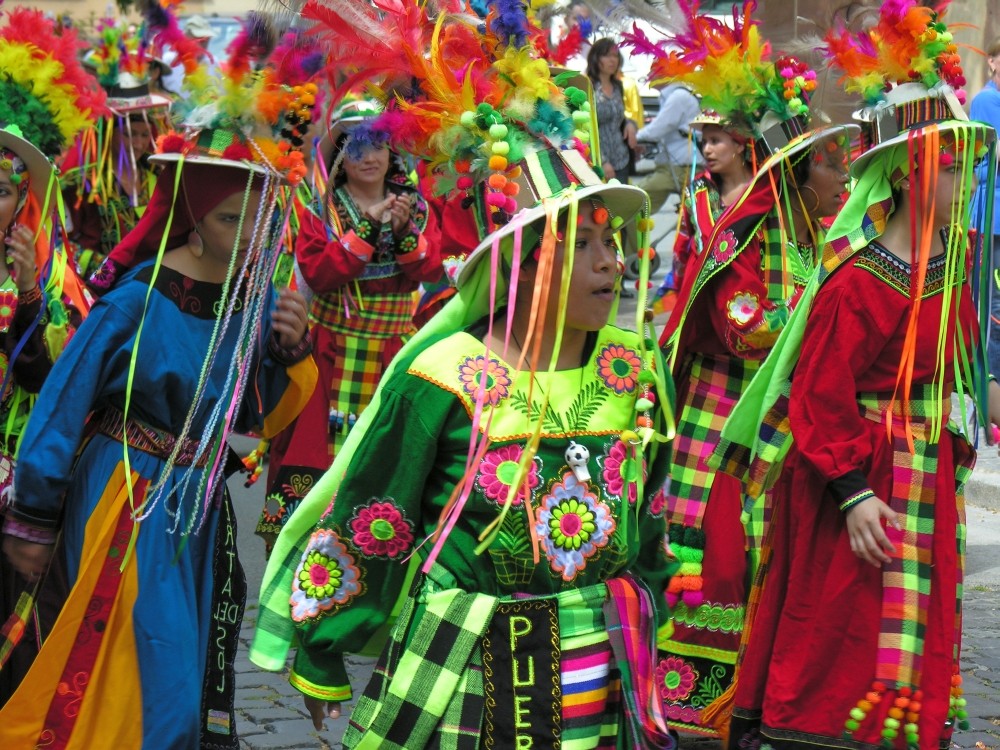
[{"x": 389, "y": 239}]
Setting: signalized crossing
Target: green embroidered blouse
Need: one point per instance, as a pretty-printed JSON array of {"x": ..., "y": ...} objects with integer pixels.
[{"x": 408, "y": 467}]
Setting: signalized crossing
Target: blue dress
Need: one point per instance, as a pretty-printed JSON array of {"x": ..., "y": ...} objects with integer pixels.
[{"x": 142, "y": 652}]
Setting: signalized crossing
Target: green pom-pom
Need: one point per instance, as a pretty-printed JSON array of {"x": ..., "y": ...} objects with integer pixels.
[
  {"x": 468, "y": 119},
  {"x": 851, "y": 725},
  {"x": 857, "y": 714},
  {"x": 498, "y": 132}
]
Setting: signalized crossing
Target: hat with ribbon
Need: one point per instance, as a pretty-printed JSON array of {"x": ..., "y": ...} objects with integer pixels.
[
  {"x": 733, "y": 71},
  {"x": 121, "y": 60},
  {"x": 247, "y": 121}
]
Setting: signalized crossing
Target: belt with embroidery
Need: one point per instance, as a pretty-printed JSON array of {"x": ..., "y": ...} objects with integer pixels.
[{"x": 152, "y": 440}]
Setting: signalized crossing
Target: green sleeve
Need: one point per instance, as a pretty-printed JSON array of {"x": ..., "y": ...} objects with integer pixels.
[{"x": 354, "y": 568}]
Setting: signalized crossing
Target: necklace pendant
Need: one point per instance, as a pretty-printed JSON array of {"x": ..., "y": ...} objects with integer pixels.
[{"x": 577, "y": 457}]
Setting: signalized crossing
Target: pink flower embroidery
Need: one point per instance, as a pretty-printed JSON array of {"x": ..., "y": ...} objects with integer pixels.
[
  {"x": 657, "y": 504},
  {"x": 675, "y": 678},
  {"x": 620, "y": 471},
  {"x": 725, "y": 246},
  {"x": 498, "y": 471},
  {"x": 497, "y": 380},
  {"x": 619, "y": 368},
  {"x": 380, "y": 530}
]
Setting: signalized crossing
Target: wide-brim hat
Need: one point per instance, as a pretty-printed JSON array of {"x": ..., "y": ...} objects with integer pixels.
[
  {"x": 212, "y": 146},
  {"x": 40, "y": 169},
  {"x": 344, "y": 119},
  {"x": 787, "y": 151},
  {"x": 131, "y": 94},
  {"x": 907, "y": 111},
  {"x": 560, "y": 176}
]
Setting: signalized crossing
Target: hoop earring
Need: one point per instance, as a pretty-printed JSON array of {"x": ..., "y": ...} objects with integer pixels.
[{"x": 815, "y": 208}]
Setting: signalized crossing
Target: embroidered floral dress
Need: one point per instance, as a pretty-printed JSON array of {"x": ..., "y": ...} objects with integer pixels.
[
  {"x": 591, "y": 525},
  {"x": 733, "y": 311},
  {"x": 700, "y": 207},
  {"x": 363, "y": 279}
]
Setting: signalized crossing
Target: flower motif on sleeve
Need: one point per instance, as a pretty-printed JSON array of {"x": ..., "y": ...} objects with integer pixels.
[
  {"x": 619, "y": 367},
  {"x": 470, "y": 373},
  {"x": 572, "y": 525},
  {"x": 8, "y": 305},
  {"x": 498, "y": 471},
  {"x": 620, "y": 472},
  {"x": 725, "y": 246},
  {"x": 326, "y": 577},
  {"x": 743, "y": 307},
  {"x": 381, "y": 530},
  {"x": 675, "y": 678}
]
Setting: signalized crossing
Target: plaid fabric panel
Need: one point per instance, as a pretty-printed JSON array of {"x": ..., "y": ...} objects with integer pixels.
[
  {"x": 906, "y": 579},
  {"x": 380, "y": 316},
  {"x": 715, "y": 385},
  {"x": 414, "y": 688},
  {"x": 356, "y": 374}
]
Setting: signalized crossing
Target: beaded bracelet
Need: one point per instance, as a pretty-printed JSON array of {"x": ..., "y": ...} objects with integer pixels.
[
  {"x": 856, "y": 499},
  {"x": 290, "y": 356}
]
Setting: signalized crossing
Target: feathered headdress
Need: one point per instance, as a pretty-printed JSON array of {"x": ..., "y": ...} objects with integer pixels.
[
  {"x": 257, "y": 117},
  {"x": 43, "y": 89},
  {"x": 471, "y": 98},
  {"x": 732, "y": 70}
]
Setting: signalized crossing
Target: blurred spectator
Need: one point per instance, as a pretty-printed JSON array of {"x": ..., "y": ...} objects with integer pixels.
[
  {"x": 616, "y": 129},
  {"x": 675, "y": 153},
  {"x": 986, "y": 108},
  {"x": 197, "y": 28}
]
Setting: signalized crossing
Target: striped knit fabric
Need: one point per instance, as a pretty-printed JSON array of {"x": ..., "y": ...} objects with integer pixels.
[{"x": 715, "y": 385}]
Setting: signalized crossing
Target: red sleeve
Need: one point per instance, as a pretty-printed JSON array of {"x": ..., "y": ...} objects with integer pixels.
[
  {"x": 745, "y": 320},
  {"x": 328, "y": 262},
  {"x": 685, "y": 242},
  {"x": 843, "y": 338}
]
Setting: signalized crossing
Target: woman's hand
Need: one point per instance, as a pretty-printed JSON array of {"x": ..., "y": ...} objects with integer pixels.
[
  {"x": 320, "y": 709},
  {"x": 993, "y": 418},
  {"x": 400, "y": 215},
  {"x": 631, "y": 131},
  {"x": 867, "y": 534},
  {"x": 609, "y": 171},
  {"x": 21, "y": 258},
  {"x": 289, "y": 319},
  {"x": 30, "y": 559},
  {"x": 381, "y": 212}
]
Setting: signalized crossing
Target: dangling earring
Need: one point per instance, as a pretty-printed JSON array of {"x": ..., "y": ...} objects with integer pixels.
[
  {"x": 815, "y": 208},
  {"x": 196, "y": 244}
]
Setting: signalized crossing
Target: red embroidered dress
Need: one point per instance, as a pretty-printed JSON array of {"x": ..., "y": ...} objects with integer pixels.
[
  {"x": 361, "y": 314},
  {"x": 821, "y": 606}
]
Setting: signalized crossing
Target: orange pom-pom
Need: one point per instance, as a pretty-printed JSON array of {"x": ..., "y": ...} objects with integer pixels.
[
  {"x": 511, "y": 189},
  {"x": 498, "y": 163},
  {"x": 497, "y": 181},
  {"x": 462, "y": 165},
  {"x": 514, "y": 173},
  {"x": 896, "y": 713},
  {"x": 600, "y": 215}
]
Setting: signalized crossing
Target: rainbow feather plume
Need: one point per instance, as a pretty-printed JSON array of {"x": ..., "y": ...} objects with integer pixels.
[
  {"x": 910, "y": 42},
  {"x": 43, "y": 88}
]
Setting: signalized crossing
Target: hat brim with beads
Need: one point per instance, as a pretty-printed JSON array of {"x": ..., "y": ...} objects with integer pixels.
[
  {"x": 217, "y": 146},
  {"x": 561, "y": 176},
  {"x": 40, "y": 169},
  {"x": 908, "y": 110}
]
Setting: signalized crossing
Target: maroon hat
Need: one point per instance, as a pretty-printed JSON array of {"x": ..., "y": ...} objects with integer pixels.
[{"x": 203, "y": 186}]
